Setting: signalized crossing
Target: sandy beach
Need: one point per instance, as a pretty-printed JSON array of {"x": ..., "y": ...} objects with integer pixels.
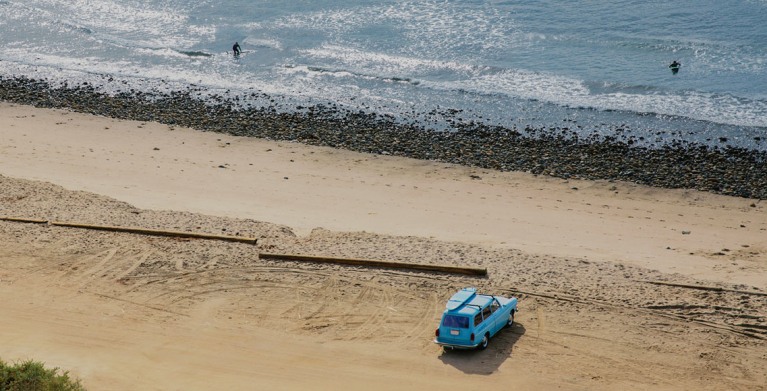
[{"x": 606, "y": 272}]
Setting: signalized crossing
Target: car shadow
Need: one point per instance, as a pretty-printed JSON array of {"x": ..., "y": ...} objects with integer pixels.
[{"x": 485, "y": 362}]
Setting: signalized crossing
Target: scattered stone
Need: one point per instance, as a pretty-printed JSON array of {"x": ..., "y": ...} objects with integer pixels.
[{"x": 556, "y": 151}]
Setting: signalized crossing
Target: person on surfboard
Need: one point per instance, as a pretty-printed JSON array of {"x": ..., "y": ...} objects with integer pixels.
[
  {"x": 236, "y": 49},
  {"x": 675, "y": 66}
]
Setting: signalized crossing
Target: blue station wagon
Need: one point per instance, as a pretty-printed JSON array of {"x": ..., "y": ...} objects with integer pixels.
[{"x": 471, "y": 319}]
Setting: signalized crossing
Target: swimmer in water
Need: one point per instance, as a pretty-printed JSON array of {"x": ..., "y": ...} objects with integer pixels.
[{"x": 675, "y": 66}]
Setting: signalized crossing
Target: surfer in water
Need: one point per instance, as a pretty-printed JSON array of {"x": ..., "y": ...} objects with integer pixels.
[
  {"x": 675, "y": 67},
  {"x": 236, "y": 49}
]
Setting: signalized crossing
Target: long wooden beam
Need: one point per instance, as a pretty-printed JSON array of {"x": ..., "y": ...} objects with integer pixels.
[
  {"x": 23, "y": 220},
  {"x": 703, "y": 287},
  {"x": 157, "y": 232},
  {"x": 375, "y": 263}
]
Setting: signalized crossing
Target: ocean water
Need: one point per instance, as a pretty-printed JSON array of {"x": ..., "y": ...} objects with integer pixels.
[{"x": 597, "y": 67}]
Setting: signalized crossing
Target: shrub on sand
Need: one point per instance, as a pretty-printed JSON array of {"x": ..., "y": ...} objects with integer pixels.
[{"x": 33, "y": 376}]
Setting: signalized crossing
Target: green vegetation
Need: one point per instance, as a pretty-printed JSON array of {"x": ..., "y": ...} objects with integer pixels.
[{"x": 32, "y": 376}]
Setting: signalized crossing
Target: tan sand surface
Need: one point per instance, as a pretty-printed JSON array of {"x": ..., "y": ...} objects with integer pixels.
[{"x": 126, "y": 311}]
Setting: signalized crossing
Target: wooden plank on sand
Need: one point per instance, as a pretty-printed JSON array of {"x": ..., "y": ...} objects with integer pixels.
[
  {"x": 374, "y": 263},
  {"x": 703, "y": 287},
  {"x": 23, "y": 220},
  {"x": 157, "y": 232}
]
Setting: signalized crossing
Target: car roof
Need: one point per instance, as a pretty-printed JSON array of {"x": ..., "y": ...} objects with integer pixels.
[{"x": 473, "y": 306}]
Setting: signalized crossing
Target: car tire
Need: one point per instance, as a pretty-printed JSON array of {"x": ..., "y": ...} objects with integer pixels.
[
  {"x": 484, "y": 343},
  {"x": 511, "y": 319}
]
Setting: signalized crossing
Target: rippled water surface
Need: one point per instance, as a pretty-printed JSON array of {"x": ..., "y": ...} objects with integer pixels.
[{"x": 593, "y": 66}]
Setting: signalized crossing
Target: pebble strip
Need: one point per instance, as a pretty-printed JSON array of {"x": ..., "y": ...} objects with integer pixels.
[{"x": 557, "y": 152}]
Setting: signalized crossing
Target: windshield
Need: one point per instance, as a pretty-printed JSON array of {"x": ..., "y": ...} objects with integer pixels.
[{"x": 454, "y": 321}]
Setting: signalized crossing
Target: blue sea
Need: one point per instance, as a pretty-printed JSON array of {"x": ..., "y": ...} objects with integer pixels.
[{"x": 596, "y": 67}]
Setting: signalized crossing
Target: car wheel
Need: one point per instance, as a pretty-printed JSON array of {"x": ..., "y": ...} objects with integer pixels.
[
  {"x": 511, "y": 319},
  {"x": 485, "y": 341}
]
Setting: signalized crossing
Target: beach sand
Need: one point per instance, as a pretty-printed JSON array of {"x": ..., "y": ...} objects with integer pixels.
[{"x": 124, "y": 311}]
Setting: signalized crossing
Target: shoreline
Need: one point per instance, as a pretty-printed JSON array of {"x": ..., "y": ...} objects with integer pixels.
[{"x": 556, "y": 152}]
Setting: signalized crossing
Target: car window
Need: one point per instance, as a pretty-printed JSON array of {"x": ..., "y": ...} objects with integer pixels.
[
  {"x": 477, "y": 319},
  {"x": 454, "y": 321},
  {"x": 494, "y": 306},
  {"x": 486, "y": 312}
]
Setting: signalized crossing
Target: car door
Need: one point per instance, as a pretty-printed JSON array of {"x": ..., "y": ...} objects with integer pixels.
[
  {"x": 498, "y": 320},
  {"x": 488, "y": 324}
]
